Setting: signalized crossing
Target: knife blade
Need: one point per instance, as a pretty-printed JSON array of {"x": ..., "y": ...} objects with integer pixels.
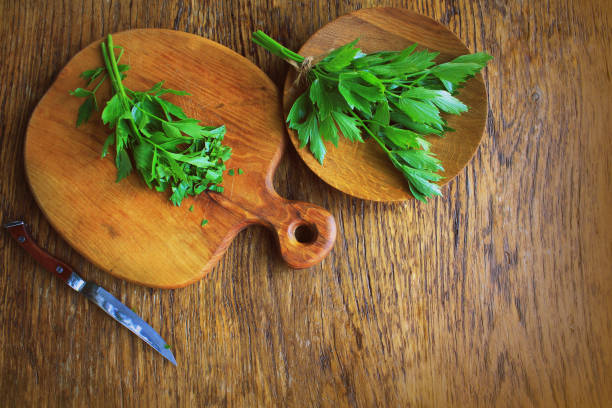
[{"x": 107, "y": 302}]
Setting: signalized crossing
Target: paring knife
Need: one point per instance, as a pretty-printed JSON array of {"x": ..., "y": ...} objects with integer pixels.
[{"x": 93, "y": 292}]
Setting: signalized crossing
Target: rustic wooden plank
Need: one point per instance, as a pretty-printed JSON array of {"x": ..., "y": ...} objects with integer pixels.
[{"x": 496, "y": 294}]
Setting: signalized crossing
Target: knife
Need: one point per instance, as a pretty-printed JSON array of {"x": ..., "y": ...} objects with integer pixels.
[{"x": 107, "y": 302}]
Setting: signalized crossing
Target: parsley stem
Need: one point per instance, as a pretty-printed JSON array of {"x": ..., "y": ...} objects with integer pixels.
[
  {"x": 93, "y": 91},
  {"x": 156, "y": 146},
  {"x": 152, "y": 115},
  {"x": 99, "y": 83},
  {"x": 113, "y": 72},
  {"x": 109, "y": 69}
]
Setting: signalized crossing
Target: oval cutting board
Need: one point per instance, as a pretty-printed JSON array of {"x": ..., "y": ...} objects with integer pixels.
[
  {"x": 363, "y": 170},
  {"x": 135, "y": 233}
]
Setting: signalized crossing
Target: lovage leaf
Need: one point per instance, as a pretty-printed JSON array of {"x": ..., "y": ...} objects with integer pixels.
[
  {"x": 299, "y": 110},
  {"x": 318, "y": 96},
  {"x": 419, "y": 111},
  {"x": 348, "y": 126},
  {"x": 442, "y": 99},
  {"x": 307, "y": 129},
  {"x": 328, "y": 130},
  {"x": 341, "y": 57},
  {"x": 456, "y": 72}
]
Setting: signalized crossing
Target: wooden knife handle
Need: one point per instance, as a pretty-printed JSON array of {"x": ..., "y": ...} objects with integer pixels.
[{"x": 19, "y": 231}]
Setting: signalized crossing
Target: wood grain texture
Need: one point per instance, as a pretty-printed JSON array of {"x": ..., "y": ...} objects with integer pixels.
[
  {"x": 364, "y": 170},
  {"x": 497, "y": 294},
  {"x": 135, "y": 233}
]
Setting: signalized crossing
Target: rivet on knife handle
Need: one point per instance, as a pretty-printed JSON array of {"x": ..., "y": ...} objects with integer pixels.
[
  {"x": 60, "y": 269},
  {"x": 107, "y": 302}
]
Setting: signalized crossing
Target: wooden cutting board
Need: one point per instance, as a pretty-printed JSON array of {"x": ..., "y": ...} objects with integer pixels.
[
  {"x": 363, "y": 170},
  {"x": 135, "y": 233}
]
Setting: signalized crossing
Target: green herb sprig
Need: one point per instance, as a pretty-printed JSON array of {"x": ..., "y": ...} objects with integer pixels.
[
  {"x": 167, "y": 148},
  {"x": 394, "y": 97}
]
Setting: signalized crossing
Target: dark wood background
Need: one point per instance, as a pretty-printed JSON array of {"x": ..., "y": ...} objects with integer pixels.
[{"x": 499, "y": 293}]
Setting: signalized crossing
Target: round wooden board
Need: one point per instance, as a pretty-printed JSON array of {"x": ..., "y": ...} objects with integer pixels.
[
  {"x": 363, "y": 170},
  {"x": 136, "y": 233}
]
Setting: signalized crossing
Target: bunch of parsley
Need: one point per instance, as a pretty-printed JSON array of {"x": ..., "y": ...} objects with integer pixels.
[
  {"x": 169, "y": 149},
  {"x": 395, "y": 97}
]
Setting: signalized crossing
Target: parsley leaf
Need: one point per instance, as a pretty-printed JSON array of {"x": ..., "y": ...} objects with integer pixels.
[
  {"x": 124, "y": 165},
  {"x": 85, "y": 111},
  {"x": 154, "y": 136}
]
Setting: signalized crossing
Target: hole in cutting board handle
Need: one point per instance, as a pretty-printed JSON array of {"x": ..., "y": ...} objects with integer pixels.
[{"x": 305, "y": 233}]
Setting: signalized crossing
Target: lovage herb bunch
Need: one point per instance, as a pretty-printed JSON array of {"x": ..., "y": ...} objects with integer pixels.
[{"x": 394, "y": 97}]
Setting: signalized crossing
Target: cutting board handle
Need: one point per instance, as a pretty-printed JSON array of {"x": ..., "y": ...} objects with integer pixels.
[{"x": 305, "y": 232}]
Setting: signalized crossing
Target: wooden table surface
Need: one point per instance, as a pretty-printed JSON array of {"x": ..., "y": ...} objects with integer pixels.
[{"x": 498, "y": 293}]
